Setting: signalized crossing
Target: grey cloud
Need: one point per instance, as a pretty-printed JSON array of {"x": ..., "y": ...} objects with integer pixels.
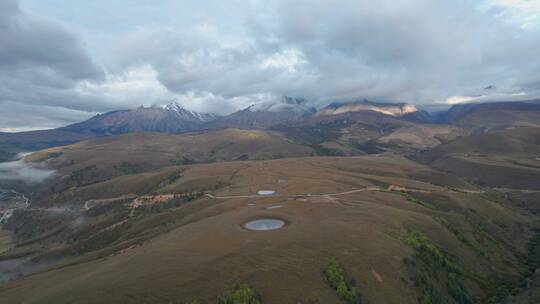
[
  {"x": 41, "y": 62},
  {"x": 199, "y": 63},
  {"x": 28, "y": 42},
  {"x": 23, "y": 117},
  {"x": 418, "y": 51}
]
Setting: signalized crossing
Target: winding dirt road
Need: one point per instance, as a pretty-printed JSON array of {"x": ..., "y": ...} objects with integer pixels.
[
  {"x": 390, "y": 188},
  {"x": 136, "y": 201}
]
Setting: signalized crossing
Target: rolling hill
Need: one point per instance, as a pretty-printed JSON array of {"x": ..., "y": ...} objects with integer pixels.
[
  {"x": 135, "y": 242},
  {"x": 507, "y": 158},
  {"x": 96, "y": 160},
  {"x": 493, "y": 115}
]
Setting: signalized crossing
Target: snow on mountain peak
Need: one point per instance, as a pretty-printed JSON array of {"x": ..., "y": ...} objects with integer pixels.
[
  {"x": 184, "y": 113},
  {"x": 174, "y": 106},
  {"x": 286, "y": 103},
  {"x": 400, "y": 109}
]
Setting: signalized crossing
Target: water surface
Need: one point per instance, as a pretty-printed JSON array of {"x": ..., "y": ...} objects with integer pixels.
[
  {"x": 266, "y": 192},
  {"x": 265, "y": 224}
]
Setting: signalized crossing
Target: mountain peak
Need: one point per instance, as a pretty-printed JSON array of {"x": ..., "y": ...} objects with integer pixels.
[
  {"x": 286, "y": 103},
  {"x": 186, "y": 114},
  {"x": 392, "y": 109},
  {"x": 174, "y": 106}
]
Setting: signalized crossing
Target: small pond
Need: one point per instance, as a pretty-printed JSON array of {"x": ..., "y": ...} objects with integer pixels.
[
  {"x": 264, "y": 224},
  {"x": 266, "y": 192}
]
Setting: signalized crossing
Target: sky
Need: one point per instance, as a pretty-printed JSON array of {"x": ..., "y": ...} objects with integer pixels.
[{"x": 63, "y": 61}]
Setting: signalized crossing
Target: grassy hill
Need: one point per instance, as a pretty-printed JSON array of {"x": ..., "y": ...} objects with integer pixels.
[
  {"x": 505, "y": 158},
  {"x": 13, "y": 143},
  {"x": 97, "y": 160},
  {"x": 403, "y": 231}
]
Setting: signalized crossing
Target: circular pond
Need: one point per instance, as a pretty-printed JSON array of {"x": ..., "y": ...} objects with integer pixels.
[
  {"x": 265, "y": 224},
  {"x": 266, "y": 192}
]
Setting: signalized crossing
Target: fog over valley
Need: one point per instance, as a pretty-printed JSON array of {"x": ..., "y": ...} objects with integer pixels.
[{"x": 23, "y": 171}]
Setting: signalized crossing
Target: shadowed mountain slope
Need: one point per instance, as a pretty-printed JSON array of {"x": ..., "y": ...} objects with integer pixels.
[
  {"x": 493, "y": 115},
  {"x": 169, "y": 119},
  {"x": 266, "y": 114},
  {"x": 508, "y": 158}
]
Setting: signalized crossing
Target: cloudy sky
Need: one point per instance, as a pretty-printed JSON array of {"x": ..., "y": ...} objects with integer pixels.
[{"x": 62, "y": 61}]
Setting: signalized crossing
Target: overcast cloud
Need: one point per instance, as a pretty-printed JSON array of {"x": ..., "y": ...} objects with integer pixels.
[{"x": 63, "y": 61}]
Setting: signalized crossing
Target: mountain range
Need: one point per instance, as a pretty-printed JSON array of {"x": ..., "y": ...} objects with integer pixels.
[{"x": 290, "y": 115}]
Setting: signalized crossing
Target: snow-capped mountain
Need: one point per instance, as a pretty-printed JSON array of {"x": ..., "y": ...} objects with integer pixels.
[
  {"x": 171, "y": 118},
  {"x": 266, "y": 114},
  {"x": 188, "y": 115},
  {"x": 286, "y": 103},
  {"x": 398, "y": 109}
]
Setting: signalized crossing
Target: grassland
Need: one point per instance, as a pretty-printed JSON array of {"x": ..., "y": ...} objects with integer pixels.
[
  {"x": 98, "y": 160},
  {"x": 192, "y": 247}
]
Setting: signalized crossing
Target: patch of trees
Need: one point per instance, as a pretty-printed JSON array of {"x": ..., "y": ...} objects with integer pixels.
[
  {"x": 346, "y": 290},
  {"x": 442, "y": 268},
  {"x": 240, "y": 294}
]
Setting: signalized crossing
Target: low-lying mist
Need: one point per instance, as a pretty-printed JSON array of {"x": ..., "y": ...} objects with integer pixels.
[{"x": 23, "y": 171}]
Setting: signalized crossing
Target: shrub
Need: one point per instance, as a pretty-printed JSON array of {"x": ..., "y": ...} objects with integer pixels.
[
  {"x": 335, "y": 275},
  {"x": 240, "y": 294},
  {"x": 438, "y": 263},
  {"x": 429, "y": 252}
]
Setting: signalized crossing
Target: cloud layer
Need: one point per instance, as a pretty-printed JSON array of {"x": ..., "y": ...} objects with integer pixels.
[
  {"x": 41, "y": 62},
  {"x": 416, "y": 51}
]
